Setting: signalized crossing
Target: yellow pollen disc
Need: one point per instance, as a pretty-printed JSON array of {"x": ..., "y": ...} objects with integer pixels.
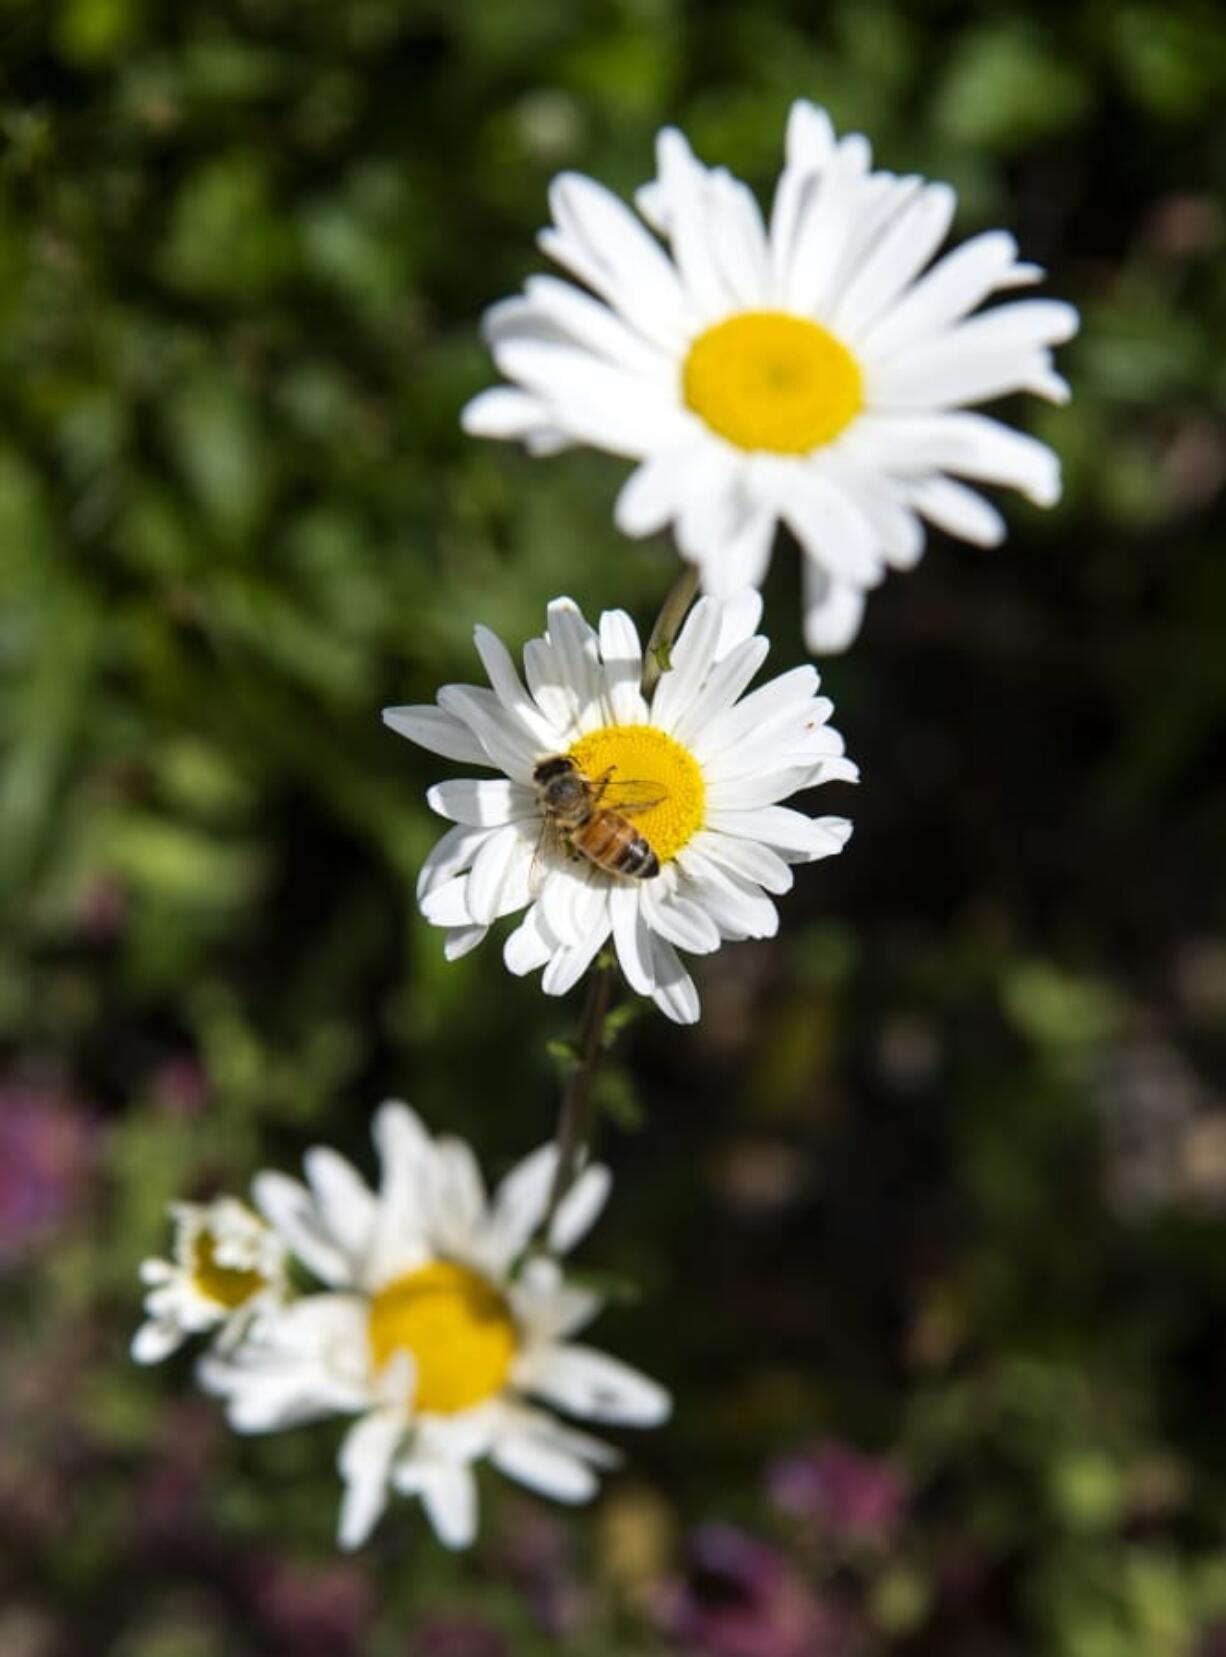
[
  {"x": 457, "y": 1328},
  {"x": 767, "y": 380},
  {"x": 229, "y": 1286},
  {"x": 642, "y": 755}
]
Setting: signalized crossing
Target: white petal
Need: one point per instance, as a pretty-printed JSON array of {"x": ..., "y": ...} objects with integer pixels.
[
  {"x": 448, "y": 1493},
  {"x": 462, "y": 940},
  {"x": 631, "y": 938},
  {"x": 533, "y": 1461},
  {"x": 739, "y": 618},
  {"x": 651, "y": 496},
  {"x": 751, "y": 861},
  {"x": 953, "y": 287},
  {"x": 509, "y": 688},
  {"x": 591, "y": 401},
  {"x": 457, "y": 1196},
  {"x": 568, "y": 965},
  {"x": 829, "y": 219},
  {"x": 790, "y": 832},
  {"x": 527, "y": 948},
  {"x": 154, "y": 1341},
  {"x": 519, "y": 1205},
  {"x": 343, "y": 1200},
  {"x": 596, "y": 1387},
  {"x": 404, "y": 1149},
  {"x": 503, "y": 412},
  {"x": 447, "y": 905},
  {"x": 972, "y": 445},
  {"x": 959, "y": 511},
  {"x": 725, "y": 684},
  {"x": 899, "y": 255},
  {"x": 602, "y": 242},
  {"x": 830, "y": 526},
  {"x": 289, "y": 1208},
  {"x": 436, "y": 731},
  {"x": 488, "y": 878},
  {"x": 365, "y": 1461},
  {"x": 740, "y": 561},
  {"x": 448, "y": 856},
  {"x": 580, "y": 1208},
  {"x": 674, "y": 993},
  {"x": 572, "y": 315},
  {"x": 692, "y": 659},
  {"x": 681, "y": 921},
  {"x": 833, "y": 610},
  {"x": 622, "y": 657},
  {"x": 481, "y": 802}
]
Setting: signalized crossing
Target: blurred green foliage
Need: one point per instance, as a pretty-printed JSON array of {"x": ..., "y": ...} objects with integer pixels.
[{"x": 964, "y": 1118}]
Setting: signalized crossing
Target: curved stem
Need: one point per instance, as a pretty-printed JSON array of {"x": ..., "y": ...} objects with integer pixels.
[
  {"x": 668, "y": 625},
  {"x": 576, "y": 1120}
]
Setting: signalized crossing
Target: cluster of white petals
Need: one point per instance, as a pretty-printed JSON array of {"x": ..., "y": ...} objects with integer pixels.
[
  {"x": 227, "y": 1268},
  {"x": 748, "y": 752},
  {"x": 438, "y": 1329},
  {"x": 846, "y": 253}
]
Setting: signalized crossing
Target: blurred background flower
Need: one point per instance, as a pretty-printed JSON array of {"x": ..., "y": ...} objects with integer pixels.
[{"x": 47, "y": 1149}]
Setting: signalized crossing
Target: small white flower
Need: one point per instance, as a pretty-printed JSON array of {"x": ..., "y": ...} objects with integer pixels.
[
  {"x": 228, "y": 1268},
  {"x": 719, "y": 761},
  {"x": 812, "y": 370},
  {"x": 440, "y": 1331}
]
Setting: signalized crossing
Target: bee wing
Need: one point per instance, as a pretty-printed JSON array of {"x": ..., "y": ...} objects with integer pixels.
[
  {"x": 548, "y": 842},
  {"x": 629, "y": 794}
]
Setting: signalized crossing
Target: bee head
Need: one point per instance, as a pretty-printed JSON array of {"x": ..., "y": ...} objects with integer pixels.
[{"x": 549, "y": 770}]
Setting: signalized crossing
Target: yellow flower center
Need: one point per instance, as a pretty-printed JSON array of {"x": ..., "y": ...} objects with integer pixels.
[
  {"x": 456, "y": 1326},
  {"x": 643, "y": 763},
  {"x": 767, "y": 380},
  {"x": 229, "y": 1286}
]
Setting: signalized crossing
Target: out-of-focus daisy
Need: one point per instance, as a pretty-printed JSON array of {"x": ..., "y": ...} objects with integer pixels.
[
  {"x": 814, "y": 369},
  {"x": 440, "y": 1330},
  {"x": 228, "y": 1268},
  {"x": 715, "y": 762}
]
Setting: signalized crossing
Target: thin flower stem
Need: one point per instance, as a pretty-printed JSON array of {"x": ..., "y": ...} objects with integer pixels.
[
  {"x": 668, "y": 625},
  {"x": 576, "y": 1120}
]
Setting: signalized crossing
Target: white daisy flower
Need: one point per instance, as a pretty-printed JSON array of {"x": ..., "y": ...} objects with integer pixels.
[
  {"x": 440, "y": 1331},
  {"x": 228, "y": 1268},
  {"x": 813, "y": 370},
  {"x": 716, "y": 764}
]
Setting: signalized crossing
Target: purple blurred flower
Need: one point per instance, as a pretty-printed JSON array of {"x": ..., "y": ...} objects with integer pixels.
[
  {"x": 47, "y": 1145},
  {"x": 103, "y": 910},
  {"x": 458, "y": 1637},
  {"x": 534, "y": 1549},
  {"x": 742, "y": 1598},
  {"x": 181, "y": 1086},
  {"x": 851, "y": 1499},
  {"x": 321, "y": 1610}
]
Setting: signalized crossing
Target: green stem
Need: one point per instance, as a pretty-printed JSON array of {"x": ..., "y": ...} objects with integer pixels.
[
  {"x": 668, "y": 625},
  {"x": 576, "y": 1120}
]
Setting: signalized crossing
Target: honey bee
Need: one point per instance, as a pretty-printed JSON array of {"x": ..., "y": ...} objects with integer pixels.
[{"x": 575, "y": 812}]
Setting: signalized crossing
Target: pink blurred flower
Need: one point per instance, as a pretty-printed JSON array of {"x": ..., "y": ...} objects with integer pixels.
[
  {"x": 742, "y": 1598},
  {"x": 47, "y": 1145},
  {"x": 534, "y": 1549},
  {"x": 318, "y": 1610},
  {"x": 458, "y": 1637},
  {"x": 853, "y": 1500},
  {"x": 181, "y": 1086}
]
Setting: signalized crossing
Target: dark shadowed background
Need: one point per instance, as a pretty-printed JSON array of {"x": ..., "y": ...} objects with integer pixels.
[{"x": 925, "y": 1224}]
